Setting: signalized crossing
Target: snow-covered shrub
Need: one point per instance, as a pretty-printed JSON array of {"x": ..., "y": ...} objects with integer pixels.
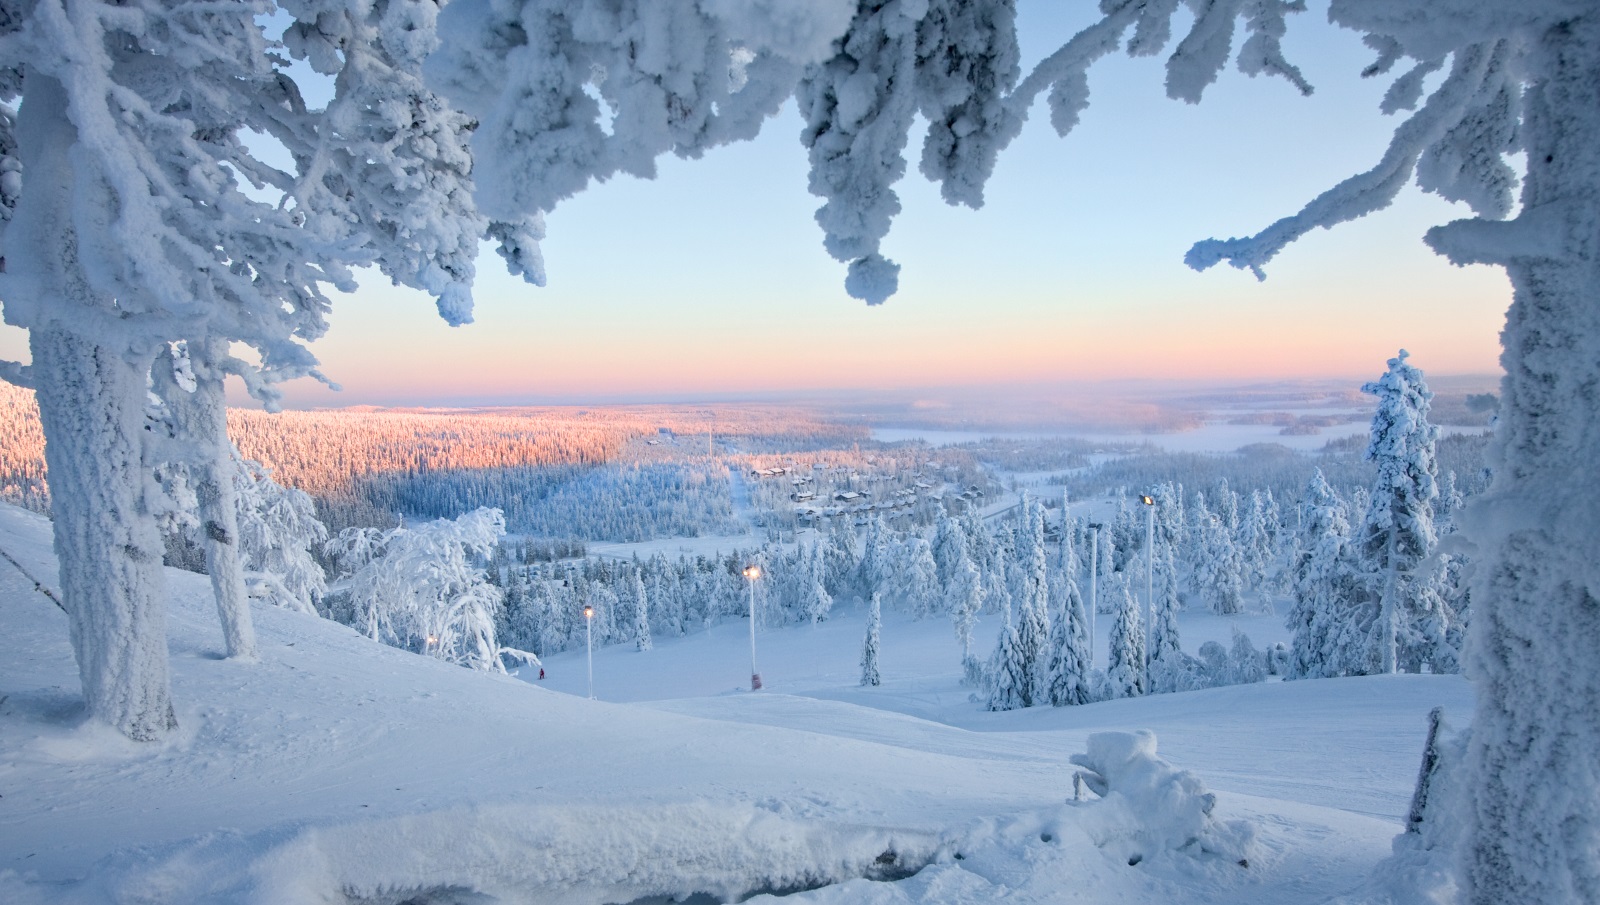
[
  {"x": 419, "y": 588},
  {"x": 1148, "y": 807},
  {"x": 278, "y": 528},
  {"x": 1246, "y": 665}
]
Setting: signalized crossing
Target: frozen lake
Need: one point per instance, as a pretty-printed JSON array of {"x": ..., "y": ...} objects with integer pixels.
[{"x": 1212, "y": 437}]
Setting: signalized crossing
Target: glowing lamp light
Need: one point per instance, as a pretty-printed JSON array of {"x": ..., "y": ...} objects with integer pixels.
[
  {"x": 588, "y": 612},
  {"x": 1148, "y": 500},
  {"x": 753, "y": 572}
]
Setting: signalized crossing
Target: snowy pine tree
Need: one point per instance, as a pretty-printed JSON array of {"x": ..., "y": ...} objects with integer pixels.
[
  {"x": 641, "y": 612},
  {"x": 919, "y": 578},
  {"x": 1126, "y": 669},
  {"x": 1168, "y": 664},
  {"x": 869, "y": 646},
  {"x": 816, "y": 602},
  {"x": 964, "y": 600},
  {"x": 1398, "y": 533},
  {"x": 1068, "y": 668},
  {"x": 1010, "y": 685},
  {"x": 1325, "y": 589}
]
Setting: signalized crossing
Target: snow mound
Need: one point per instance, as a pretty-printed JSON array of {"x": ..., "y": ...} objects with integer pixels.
[
  {"x": 1147, "y": 807},
  {"x": 502, "y": 853}
]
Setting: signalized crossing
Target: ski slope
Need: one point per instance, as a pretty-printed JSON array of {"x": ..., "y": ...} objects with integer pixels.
[{"x": 339, "y": 771}]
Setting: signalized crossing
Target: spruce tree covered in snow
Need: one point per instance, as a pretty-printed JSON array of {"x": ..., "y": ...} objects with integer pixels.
[
  {"x": 1218, "y": 564},
  {"x": 1126, "y": 669},
  {"x": 1398, "y": 534},
  {"x": 1167, "y": 661},
  {"x": 1033, "y": 640},
  {"x": 840, "y": 560},
  {"x": 641, "y": 613},
  {"x": 919, "y": 578},
  {"x": 876, "y": 566},
  {"x": 964, "y": 600},
  {"x": 1256, "y": 543},
  {"x": 1068, "y": 667},
  {"x": 1010, "y": 684},
  {"x": 1031, "y": 608},
  {"x": 816, "y": 602},
  {"x": 1326, "y": 590},
  {"x": 949, "y": 548},
  {"x": 869, "y": 645}
]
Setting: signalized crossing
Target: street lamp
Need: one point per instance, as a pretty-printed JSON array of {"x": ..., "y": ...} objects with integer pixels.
[
  {"x": 1149, "y": 574},
  {"x": 588, "y": 634},
  {"x": 1094, "y": 575},
  {"x": 753, "y": 572}
]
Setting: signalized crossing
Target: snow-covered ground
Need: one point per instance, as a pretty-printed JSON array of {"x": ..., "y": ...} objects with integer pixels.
[{"x": 339, "y": 771}]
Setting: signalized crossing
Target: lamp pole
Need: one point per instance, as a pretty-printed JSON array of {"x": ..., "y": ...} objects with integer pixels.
[
  {"x": 1094, "y": 575},
  {"x": 1149, "y": 574},
  {"x": 588, "y": 633},
  {"x": 753, "y": 572}
]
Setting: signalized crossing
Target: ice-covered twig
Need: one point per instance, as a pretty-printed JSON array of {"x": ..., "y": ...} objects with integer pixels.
[
  {"x": 1376, "y": 188},
  {"x": 1065, "y": 72},
  {"x": 1262, "y": 52}
]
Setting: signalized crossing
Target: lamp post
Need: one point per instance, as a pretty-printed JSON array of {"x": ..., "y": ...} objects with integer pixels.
[
  {"x": 753, "y": 572},
  {"x": 588, "y": 637},
  {"x": 1149, "y": 574},
  {"x": 1094, "y": 575}
]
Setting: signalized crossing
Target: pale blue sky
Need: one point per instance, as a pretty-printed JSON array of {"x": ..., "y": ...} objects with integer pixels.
[{"x": 712, "y": 279}]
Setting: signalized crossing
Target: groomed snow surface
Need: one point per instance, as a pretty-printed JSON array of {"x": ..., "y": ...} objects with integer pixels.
[{"x": 339, "y": 771}]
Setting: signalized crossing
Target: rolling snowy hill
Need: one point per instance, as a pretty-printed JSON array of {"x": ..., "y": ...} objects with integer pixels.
[{"x": 337, "y": 770}]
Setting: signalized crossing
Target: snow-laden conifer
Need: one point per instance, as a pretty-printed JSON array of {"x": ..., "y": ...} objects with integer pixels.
[
  {"x": 816, "y": 602},
  {"x": 641, "y": 612},
  {"x": 964, "y": 600},
  {"x": 1010, "y": 685},
  {"x": 1326, "y": 589},
  {"x": 1125, "y": 670},
  {"x": 1167, "y": 661},
  {"x": 919, "y": 578},
  {"x": 840, "y": 559},
  {"x": 876, "y": 566},
  {"x": 1397, "y": 534},
  {"x": 869, "y": 645},
  {"x": 1068, "y": 668}
]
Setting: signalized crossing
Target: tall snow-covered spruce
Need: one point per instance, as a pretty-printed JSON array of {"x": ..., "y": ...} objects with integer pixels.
[
  {"x": 1398, "y": 532},
  {"x": 869, "y": 644}
]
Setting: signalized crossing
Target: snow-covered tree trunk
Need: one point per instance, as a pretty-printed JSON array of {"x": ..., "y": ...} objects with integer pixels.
[
  {"x": 91, "y": 406},
  {"x": 201, "y": 416},
  {"x": 1533, "y": 778}
]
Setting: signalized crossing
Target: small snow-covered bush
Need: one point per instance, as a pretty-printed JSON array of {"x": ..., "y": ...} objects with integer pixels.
[{"x": 1148, "y": 807}]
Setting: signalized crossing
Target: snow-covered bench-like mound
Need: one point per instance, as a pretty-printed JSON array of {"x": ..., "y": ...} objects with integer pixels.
[{"x": 1148, "y": 807}]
